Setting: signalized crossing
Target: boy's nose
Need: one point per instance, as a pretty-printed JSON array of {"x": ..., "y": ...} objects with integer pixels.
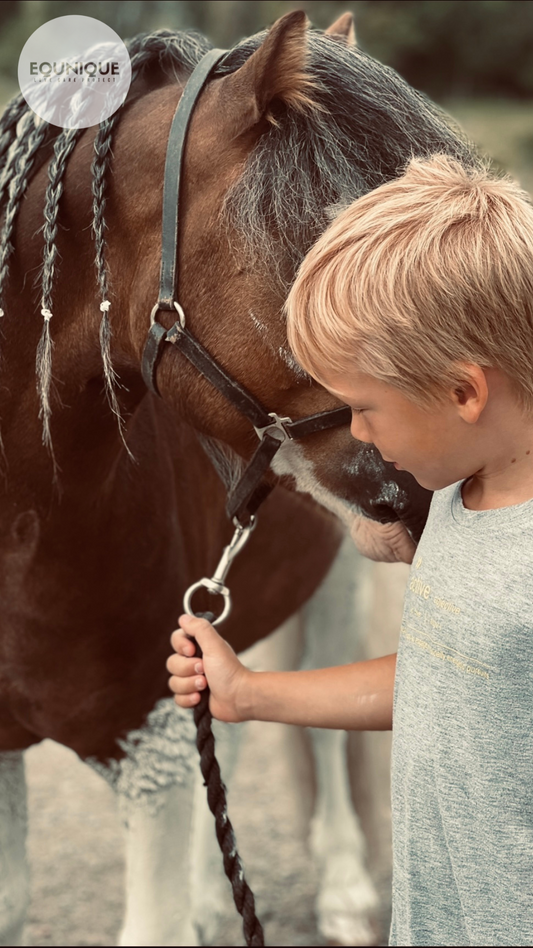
[{"x": 358, "y": 429}]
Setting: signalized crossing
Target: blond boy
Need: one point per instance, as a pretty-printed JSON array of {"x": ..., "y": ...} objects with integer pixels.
[{"x": 416, "y": 309}]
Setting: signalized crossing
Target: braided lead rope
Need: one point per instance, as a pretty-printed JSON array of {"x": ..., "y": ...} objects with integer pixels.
[{"x": 217, "y": 801}]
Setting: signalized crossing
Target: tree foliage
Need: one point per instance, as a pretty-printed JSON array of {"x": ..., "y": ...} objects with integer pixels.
[
  {"x": 484, "y": 47},
  {"x": 446, "y": 47}
]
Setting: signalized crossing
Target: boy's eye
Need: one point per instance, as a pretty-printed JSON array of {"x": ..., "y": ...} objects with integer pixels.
[{"x": 358, "y": 411}]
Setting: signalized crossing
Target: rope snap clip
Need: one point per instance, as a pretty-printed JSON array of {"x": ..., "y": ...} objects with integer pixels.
[{"x": 216, "y": 585}]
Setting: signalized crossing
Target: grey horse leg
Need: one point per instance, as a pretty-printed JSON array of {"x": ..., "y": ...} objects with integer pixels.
[
  {"x": 333, "y": 620},
  {"x": 155, "y": 784},
  {"x": 14, "y": 873}
]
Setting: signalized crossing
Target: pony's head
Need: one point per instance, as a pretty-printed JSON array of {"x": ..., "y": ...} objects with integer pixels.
[{"x": 293, "y": 125}]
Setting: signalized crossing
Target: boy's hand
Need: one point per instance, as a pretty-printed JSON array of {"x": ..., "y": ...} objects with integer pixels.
[{"x": 220, "y": 667}]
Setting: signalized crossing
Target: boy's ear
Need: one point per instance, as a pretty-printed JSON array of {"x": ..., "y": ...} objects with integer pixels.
[
  {"x": 276, "y": 71},
  {"x": 343, "y": 29},
  {"x": 471, "y": 394}
]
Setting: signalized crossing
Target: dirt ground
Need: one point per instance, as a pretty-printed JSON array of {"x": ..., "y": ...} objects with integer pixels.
[{"x": 75, "y": 842}]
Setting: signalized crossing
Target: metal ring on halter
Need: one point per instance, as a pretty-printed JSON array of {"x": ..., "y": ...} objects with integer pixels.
[
  {"x": 276, "y": 428},
  {"x": 216, "y": 590},
  {"x": 177, "y": 307}
]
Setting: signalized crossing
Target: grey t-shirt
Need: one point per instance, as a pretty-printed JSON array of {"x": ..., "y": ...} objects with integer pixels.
[{"x": 462, "y": 762}]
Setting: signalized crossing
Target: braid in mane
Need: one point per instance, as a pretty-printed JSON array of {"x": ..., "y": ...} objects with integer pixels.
[
  {"x": 8, "y": 124},
  {"x": 21, "y": 135},
  {"x": 63, "y": 147},
  {"x": 13, "y": 183},
  {"x": 99, "y": 167},
  {"x": 171, "y": 51},
  {"x": 17, "y": 153}
]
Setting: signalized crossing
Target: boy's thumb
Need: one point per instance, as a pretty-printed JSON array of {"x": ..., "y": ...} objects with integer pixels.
[{"x": 198, "y": 630}]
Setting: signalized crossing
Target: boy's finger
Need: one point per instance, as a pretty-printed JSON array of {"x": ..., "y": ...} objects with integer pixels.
[
  {"x": 187, "y": 701},
  {"x": 184, "y": 667},
  {"x": 187, "y": 686},
  {"x": 181, "y": 644}
]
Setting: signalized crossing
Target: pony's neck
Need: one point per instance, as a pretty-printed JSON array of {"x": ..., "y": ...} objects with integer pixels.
[{"x": 86, "y": 441}]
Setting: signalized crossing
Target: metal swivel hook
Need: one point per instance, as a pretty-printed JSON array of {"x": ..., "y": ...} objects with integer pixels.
[{"x": 215, "y": 586}]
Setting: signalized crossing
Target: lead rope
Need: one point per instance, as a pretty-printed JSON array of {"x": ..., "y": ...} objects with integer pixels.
[
  {"x": 205, "y": 742},
  {"x": 216, "y": 798}
]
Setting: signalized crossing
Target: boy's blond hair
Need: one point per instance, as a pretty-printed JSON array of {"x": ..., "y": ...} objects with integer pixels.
[{"x": 430, "y": 270}]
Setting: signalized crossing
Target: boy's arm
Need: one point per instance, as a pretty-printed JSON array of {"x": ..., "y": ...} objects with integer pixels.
[
  {"x": 351, "y": 697},
  {"x": 356, "y": 697}
]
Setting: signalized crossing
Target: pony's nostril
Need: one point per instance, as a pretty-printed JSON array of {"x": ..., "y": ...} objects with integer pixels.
[{"x": 383, "y": 513}]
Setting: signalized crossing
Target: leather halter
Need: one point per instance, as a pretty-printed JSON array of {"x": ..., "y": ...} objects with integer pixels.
[{"x": 271, "y": 430}]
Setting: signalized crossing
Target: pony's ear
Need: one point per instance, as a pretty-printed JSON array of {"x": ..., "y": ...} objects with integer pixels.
[
  {"x": 343, "y": 29},
  {"x": 275, "y": 72}
]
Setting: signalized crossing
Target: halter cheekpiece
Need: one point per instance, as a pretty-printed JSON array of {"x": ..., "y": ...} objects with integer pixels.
[{"x": 271, "y": 429}]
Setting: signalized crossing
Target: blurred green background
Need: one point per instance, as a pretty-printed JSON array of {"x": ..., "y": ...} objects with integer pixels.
[{"x": 473, "y": 56}]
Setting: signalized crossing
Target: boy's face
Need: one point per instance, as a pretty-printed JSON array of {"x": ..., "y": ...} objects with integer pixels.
[{"x": 434, "y": 444}]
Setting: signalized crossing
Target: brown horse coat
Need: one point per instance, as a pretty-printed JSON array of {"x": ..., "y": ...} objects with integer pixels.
[{"x": 94, "y": 563}]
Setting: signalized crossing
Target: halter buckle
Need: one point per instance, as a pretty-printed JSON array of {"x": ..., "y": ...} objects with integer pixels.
[{"x": 276, "y": 429}]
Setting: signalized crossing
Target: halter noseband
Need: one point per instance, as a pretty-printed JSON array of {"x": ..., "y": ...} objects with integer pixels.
[{"x": 271, "y": 429}]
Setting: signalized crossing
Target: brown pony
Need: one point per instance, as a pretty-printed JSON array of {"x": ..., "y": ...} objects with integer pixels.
[{"x": 102, "y": 530}]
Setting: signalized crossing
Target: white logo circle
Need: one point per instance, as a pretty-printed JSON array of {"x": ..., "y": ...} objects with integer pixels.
[{"x": 74, "y": 71}]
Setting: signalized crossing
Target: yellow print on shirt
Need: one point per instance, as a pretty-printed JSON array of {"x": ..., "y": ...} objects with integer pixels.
[
  {"x": 446, "y": 606},
  {"x": 447, "y": 654},
  {"x": 420, "y": 588}
]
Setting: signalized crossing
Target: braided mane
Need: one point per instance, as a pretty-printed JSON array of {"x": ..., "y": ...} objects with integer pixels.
[{"x": 22, "y": 133}]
